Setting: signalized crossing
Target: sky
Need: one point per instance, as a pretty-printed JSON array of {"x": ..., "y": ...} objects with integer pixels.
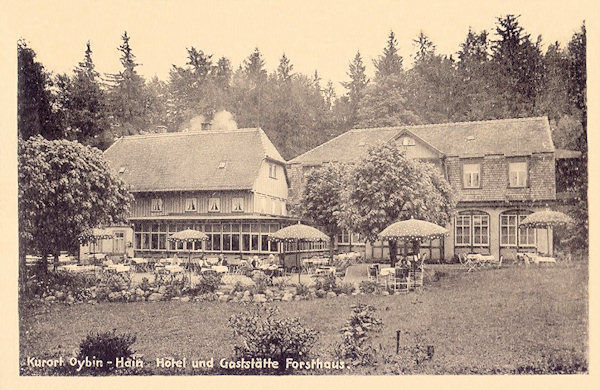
[{"x": 322, "y": 35}]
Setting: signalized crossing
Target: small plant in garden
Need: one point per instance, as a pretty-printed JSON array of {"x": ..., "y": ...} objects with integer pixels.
[
  {"x": 302, "y": 289},
  {"x": 261, "y": 281},
  {"x": 369, "y": 287},
  {"x": 345, "y": 288},
  {"x": 435, "y": 276},
  {"x": 115, "y": 282},
  {"x": 262, "y": 335},
  {"x": 280, "y": 284},
  {"x": 356, "y": 335},
  {"x": 176, "y": 287},
  {"x": 208, "y": 283},
  {"x": 326, "y": 282},
  {"x": 413, "y": 353},
  {"x": 145, "y": 284},
  {"x": 107, "y": 347}
]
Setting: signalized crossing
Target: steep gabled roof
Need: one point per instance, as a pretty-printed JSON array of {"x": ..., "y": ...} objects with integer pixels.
[
  {"x": 205, "y": 160},
  {"x": 511, "y": 137}
]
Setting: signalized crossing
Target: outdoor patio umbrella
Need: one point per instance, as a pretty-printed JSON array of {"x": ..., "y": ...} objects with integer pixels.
[
  {"x": 188, "y": 235},
  {"x": 546, "y": 219},
  {"x": 413, "y": 230},
  {"x": 298, "y": 233},
  {"x": 92, "y": 236}
]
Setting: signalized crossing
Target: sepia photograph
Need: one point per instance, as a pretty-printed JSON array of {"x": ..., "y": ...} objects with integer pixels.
[{"x": 333, "y": 189}]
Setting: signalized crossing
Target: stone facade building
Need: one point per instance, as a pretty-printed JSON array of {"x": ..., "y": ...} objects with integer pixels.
[{"x": 501, "y": 170}]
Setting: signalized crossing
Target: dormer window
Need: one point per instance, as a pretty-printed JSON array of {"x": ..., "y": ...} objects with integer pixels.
[
  {"x": 407, "y": 141},
  {"x": 237, "y": 205},
  {"x": 273, "y": 171},
  {"x": 191, "y": 205},
  {"x": 214, "y": 205},
  {"x": 517, "y": 174},
  {"x": 156, "y": 205},
  {"x": 471, "y": 175}
]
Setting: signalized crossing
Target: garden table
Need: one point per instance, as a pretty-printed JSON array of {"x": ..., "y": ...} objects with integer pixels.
[
  {"x": 479, "y": 260},
  {"x": 537, "y": 259},
  {"x": 118, "y": 268},
  {"x": 387, "y": 271},
  {"x": 220, "y": 269},
  {"x": 174, "y": 269}
]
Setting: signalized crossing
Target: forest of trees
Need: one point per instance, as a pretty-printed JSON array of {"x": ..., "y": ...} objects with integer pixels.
[{"x": 499, "y": 74}]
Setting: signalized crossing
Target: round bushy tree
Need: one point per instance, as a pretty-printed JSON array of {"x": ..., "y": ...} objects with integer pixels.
[
  {"x": 323, "y": 197},
  {"x": 387, "y": 187},
  {"x": 64, "y": 189}
]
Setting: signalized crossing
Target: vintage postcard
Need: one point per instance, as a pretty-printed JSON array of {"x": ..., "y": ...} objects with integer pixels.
[{"x": 230, "y": 191}]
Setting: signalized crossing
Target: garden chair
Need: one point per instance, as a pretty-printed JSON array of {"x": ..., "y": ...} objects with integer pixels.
[
  {"x": 374, "y": 272},
  {"x": 418, "y": 272},
  {"x": 400, "y": 279},
  {"x": 467, "y": 263}
]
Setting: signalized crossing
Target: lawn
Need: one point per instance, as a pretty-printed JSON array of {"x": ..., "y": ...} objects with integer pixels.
[{"x": 491, "y": 320}]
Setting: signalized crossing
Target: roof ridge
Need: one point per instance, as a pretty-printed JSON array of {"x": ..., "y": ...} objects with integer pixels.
[
  {"x": 318, "y": 146},
  {"x": 401, "y": 127},
  {"x": 265, "y": 138},
  {"x": 188, "y": 133}
]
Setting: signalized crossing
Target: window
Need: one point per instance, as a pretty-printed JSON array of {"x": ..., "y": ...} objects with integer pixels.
[
  {"x": 263, "y": 204},
  {"x": 463, "y": 230},
  {"x": 237, "y": 205},
  {"x": 345, "y": 238},
  {"x": 273, "y": 171},
  {"x": 509, "y": 230},
  {"x": 517, "y": 174},
  {"x": 481, "y": 226},
  {"x": 526, "y": 235},
  {"x": 472, "y": 228},
  {"x": 191, "y": 205},
  {"x": 156, "y": 205},
  {"x": 214, "y": 205},
  {"x": 119, "y": 242},
  {"x": 407, "y": 141},
  {"x": 149, "y": 236},
  {"x": 471, "y": 175}
]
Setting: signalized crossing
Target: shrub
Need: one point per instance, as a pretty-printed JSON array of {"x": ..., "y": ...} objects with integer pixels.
[
  {"x": 115, "y": 282},
  {"x": 107, "y": 347},
  {"x": 345, "y": 288},
  {"x": 326, "y": 282},
  {"x": 435, "y": 276},
  {"x": 176, "y": 287},
  {"x": 302, "y": 289},
  {"x": 261, "y": 280},
  {"x": 239, "y": 287},
  {"x": 265, "y": 336},
  {"x": 208, "y": 283},
  {"x": 63, "y": 281},
  {"x": 355, "y": 335},
  {"x": 369, "y": 287},
  {"x": 280, "y": 284},
  {"x": 145, "y": 284}
]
